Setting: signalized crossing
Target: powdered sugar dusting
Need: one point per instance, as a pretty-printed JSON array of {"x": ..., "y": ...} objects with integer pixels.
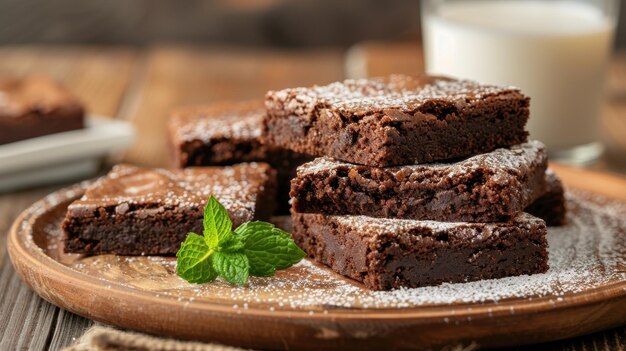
[
  {"x": 239, "y": 121},
  {"x": 379, "y": 226},
  {"x": 589, "y": 252},
  {"x": 501, "y": 161},
  {"x": 395, "y": 92},
  {"x": 126, "y": 186}
]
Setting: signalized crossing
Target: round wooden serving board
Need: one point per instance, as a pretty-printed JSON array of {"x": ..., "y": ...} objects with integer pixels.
[{"x": 309, "y": 307}]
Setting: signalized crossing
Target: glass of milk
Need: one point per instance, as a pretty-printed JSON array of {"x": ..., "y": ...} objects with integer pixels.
[{"x": 556, "y": 51}]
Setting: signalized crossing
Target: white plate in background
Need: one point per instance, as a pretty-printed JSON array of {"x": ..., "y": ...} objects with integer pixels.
[{"x": 63, "y": 156}]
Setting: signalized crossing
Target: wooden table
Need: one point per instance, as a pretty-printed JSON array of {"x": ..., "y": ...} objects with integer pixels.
[{"x": 144, "y": 85}]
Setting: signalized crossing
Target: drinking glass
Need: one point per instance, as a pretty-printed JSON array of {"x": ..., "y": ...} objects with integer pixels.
[{"x": 556, "y": 51}]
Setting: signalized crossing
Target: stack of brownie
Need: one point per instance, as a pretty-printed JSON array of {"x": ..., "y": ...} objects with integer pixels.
[{"x": 419, "y": 181}]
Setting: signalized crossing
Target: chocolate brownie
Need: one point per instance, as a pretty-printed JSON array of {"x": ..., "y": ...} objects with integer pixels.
[
  {"x": 229, "y": 133},
  {"x": 551, "y": 205},
  {"x": 393, "y": 253},
  {"x": 397, "y": 120},
  {"x": 138, "y": 211},
  {"x": 485, "y": 188},
  {"x": 36, "y": 106}
]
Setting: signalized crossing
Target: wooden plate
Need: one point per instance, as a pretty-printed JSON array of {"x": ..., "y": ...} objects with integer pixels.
[{"x": 309, "y": 307}]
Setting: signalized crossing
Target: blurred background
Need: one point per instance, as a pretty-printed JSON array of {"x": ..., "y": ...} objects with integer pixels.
[{"x": 273, "y": 23}]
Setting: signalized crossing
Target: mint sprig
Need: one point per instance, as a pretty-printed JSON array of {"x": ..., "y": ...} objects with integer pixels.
[{"x": 253, "y": 249}]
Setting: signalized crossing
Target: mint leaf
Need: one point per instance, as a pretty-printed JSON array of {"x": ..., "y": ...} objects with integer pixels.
[
  {"x": 232, "y": 244},
  {"x": 249, "y": 228},
  {"x": 255, "y": 248},
  {"x": 232, "y": 266},
  {"x": 268, "y": 248},
  {"x": 217, "y": 223},
  {"x": 194, "y": 260}
]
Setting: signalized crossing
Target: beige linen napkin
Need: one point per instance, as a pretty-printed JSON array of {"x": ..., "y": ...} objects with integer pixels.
[{"x": 101, "y": 338}]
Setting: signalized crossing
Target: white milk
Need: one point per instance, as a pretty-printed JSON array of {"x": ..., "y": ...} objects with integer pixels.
[{"x": 556, "y": 52}]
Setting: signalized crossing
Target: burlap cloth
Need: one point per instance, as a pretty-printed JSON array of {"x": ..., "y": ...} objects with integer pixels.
[{"x": 102, "y": 338}]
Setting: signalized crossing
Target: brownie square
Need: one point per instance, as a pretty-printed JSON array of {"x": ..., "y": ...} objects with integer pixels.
[
  {"x": 386, "y": 254},
  {"x": 396, "y": 120},
  {"x": 488, "y": 187},
  {"x": 36, "y": 106},
  {"x": 229, "y": 133},
  {"x": 139, "y": 211},
  {"x": 551, "y": 205}
]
